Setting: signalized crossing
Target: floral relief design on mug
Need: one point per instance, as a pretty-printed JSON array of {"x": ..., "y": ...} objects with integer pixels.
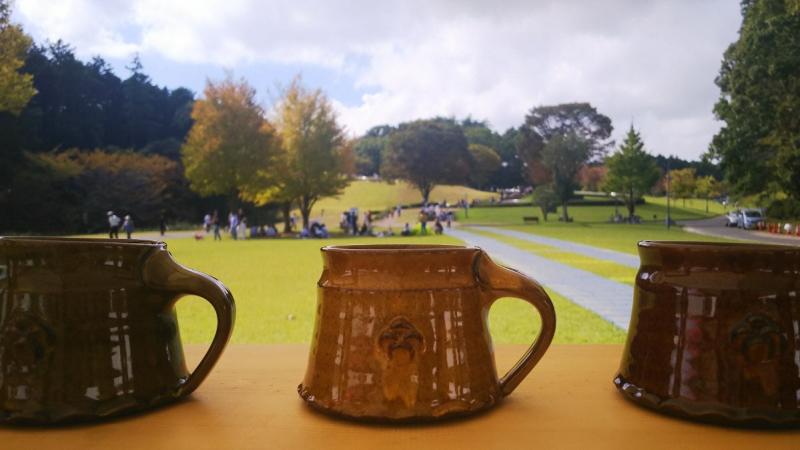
[
  {"x": 758, "y": 344},
  {"x": 26, "y": 344},
  {"x": 399, "y": 347}
]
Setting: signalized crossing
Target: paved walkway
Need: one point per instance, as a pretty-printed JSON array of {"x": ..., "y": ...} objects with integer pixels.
[
  {"x": 715, "y": 226},
  {"x": 609, "y": 299},
  {"x": 624, "y": 259}
]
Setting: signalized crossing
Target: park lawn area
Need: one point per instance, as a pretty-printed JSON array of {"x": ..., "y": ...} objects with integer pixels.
[
  {"x": 715, "y": 208},
  {"x": 381, "y": 195},
  {"x": 274, "y": 284},
  {"x": 512, "y": 215},
  {"x": 591, "y": 225},
  {"x": 604, "y": 268}
]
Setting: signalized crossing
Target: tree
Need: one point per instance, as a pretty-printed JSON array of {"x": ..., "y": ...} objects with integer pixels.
[
  {"x": 314, "y": 151},
  {"x": 231, "y": 149},
  {"x": 563, "y": 156},
  {"x": 591, "y": 177},
  {"x": 16, "y": 88},
  {"x": 369, "y": 150},
  {"x": 487, "y": 161},
  {"x": 546, "y": 199},
  {"x": 759, "y": 80},
  {"x": 682, "y": 183},
  {"x": 543, "y": 123},
  {"x": 427, "y": 153},
  {"x": 631, "y": 171},
  {"x": 708, "y": 187}
]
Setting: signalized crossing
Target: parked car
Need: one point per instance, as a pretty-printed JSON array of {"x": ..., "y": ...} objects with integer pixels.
[
  {"x": 750, "y": 218},
  {"x": 732, "y": 218}
]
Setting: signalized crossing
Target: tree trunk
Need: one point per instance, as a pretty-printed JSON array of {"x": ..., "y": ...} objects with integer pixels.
[
  {"x": 564, "y": 211},
  {"x": 544, "y": 213},
  {"x": 706, "y": 204},
  {"x": 426, "y": 193},
  {"x": 306, "y": 204},
  {"x": 286, "y": 210},
  {"x": 631, "y": 205}
]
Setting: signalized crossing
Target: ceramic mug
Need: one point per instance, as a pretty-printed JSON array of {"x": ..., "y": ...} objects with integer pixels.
[
  {"x": 88, "y": 328},
  {"x": 715, "y": 333},
  {"x": 401, "y": 332}
]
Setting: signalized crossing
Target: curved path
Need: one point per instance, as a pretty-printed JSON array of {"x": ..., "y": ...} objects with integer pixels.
[
  {"x": 610, "y": 299},
  {"x": 624, "y": 259}
]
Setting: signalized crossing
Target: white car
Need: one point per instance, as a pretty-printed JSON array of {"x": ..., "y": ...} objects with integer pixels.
[{"x": 749, "y": 219}]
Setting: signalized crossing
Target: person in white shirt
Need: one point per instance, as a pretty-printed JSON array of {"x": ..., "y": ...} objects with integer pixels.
[{"x": 113, "y": 225}]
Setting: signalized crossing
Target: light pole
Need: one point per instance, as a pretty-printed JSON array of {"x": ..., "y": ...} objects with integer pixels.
[
  {"x": 616, "y": 206},
  {"x": 669, "y": 219}
]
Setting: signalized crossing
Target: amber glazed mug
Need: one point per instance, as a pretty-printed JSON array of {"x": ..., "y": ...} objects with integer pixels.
[
  {"x": 714, "y": 334},
  {"x": 401, "y": 332},
  {"x": 88, "y": 328}
]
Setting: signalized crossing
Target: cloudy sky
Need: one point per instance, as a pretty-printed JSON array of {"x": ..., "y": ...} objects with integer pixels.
[{"x": 652, "y": 63}]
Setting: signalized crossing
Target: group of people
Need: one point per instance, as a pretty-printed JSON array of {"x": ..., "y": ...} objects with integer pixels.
[
  {"x": 349, "y": 223},
  {"x": 436, "y": 213},
  {"x": 237, "y": 226},
  {"x": 115, "y": 223}
]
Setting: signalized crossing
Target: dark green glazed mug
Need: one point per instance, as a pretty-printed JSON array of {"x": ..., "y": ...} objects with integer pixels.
[{"x": 88, "y": 328}]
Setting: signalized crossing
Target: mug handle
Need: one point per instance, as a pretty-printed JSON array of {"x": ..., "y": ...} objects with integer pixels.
[
  {"x": 162, "y": 272},
  {"x": 499, "y": 281}
]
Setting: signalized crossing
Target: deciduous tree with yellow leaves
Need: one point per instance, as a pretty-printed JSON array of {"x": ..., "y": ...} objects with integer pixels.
[
  {"x": 15, "y": 88},
  {"x": 316, "y": 157},
  {"x": 231, "y": 150}
]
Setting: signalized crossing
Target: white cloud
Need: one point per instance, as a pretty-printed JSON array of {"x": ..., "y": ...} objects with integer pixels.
[{"x": 650, "y": 62}]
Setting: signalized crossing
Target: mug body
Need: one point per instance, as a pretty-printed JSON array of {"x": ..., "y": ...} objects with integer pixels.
[
  {"x": 81, "y": 335},
  {"x": 400, "y": 334},
  {"x": 714, "y": 333}
]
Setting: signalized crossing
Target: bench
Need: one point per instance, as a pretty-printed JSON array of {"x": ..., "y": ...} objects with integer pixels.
[{"x": 530, "y": 219}]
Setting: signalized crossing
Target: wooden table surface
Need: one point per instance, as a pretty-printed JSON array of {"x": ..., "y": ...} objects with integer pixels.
[{"x": 250, "y": 401}]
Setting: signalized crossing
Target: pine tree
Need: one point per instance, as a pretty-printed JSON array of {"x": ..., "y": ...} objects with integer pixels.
[{"x": 631, "y": 171}]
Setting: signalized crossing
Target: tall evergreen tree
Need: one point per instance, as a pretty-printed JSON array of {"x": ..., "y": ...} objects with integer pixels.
[{"x": 631, "y": 171}]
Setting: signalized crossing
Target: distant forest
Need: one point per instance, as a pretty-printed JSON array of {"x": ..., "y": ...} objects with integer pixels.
[{"x": 89, "y": 141}]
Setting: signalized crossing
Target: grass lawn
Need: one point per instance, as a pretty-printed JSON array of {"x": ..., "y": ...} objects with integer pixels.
[
  {"x": 694, "y": 204},
  {"x": 273, "y": 280},
  {"x": 591, "y": 225},
  {"x": 380, "y": 195}
]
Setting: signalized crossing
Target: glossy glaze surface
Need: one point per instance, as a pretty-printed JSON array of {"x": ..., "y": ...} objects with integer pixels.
[
  {"x": 88, "y": 328},
  {"x": 401, "y": 332},
  {"x": 715, "y": 333}
]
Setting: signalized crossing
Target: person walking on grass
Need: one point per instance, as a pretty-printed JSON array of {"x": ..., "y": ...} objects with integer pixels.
[
  {"x": 233, "y": 224},
  {"x": 215, "y": 226},
  {"x": 128, "y": 226},
  {"x": 113, "y": 225}
]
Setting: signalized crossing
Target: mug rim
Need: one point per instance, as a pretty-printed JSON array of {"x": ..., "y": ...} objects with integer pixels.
[
  {"x": 394, "y": 248},
  {"x": 706, "y": 245},
  {"x": 58, "y": 240}
]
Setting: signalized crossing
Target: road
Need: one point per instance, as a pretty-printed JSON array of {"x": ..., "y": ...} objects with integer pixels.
[{"x": 716, "y": 227}]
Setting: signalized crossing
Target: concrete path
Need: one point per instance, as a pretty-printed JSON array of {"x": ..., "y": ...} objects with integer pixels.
[
  {"x": 716, "y": 227},
  {"x": 624, "y": 259},
  {"x": 609, "y": 299}
]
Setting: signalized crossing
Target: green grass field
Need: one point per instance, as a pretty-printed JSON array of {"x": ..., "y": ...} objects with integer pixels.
[
  {"x": 380, "y": 195},
  {"x": 591, "y": 224},
  {"x": 274, "y": 283}
]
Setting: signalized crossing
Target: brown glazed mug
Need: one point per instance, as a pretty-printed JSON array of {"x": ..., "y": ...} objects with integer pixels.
[
  {"x": 401, "y": 332},
  {"x": 88, "y": 328},
  {"x": 715, "y": 333}
]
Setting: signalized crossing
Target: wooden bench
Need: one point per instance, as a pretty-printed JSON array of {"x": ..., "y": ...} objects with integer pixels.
[{"x": 531, "y": 219}]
